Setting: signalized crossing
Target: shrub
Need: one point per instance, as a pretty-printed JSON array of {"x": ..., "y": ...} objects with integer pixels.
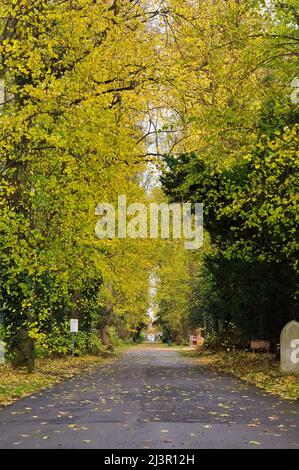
[
  {"x": 113, "y": 337},
  {"x": 58, "y": 342},
  {"x": 229, "y": 338}
]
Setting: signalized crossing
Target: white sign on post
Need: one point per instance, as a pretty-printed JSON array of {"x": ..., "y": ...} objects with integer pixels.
[{"x": 74, "y": 325}]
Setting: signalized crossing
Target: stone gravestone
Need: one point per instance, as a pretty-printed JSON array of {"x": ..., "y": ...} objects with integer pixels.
[
  {"x": 289, "y": 348},
  {"x": 106, "y": 338},
  {"x": 21, "y": 347},
  {"x": 2, "y": 352}
]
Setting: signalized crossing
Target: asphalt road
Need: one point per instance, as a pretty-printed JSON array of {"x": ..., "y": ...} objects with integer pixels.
[{"x": 151, "y": 398}]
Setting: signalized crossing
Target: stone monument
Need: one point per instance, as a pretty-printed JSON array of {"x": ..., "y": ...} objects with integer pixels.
[
  {"x": 2, "y": 352},
  {"x": 289, "y": 348},
  {"x": 21, "y": 347}
]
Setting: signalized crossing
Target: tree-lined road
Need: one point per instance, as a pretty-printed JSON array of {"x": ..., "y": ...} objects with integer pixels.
[{"x": 151, "y": 397}]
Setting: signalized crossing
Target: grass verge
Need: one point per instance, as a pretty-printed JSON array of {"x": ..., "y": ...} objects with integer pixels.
[
  {"x": 259, "y": 369},
  {"x": 15, "y": 384}
]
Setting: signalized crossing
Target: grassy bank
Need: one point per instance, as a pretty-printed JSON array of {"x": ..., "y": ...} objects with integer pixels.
[
  {"x": 259, "y": 369},
  {"x": 15, "y": 384}
]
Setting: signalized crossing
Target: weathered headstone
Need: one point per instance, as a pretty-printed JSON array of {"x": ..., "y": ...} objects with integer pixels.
[
  {"x": 21, "y": 347},
  {"x": 289, "y": 348},
  {"x": 105, "y": 336},
  {"x": 2, "y": 352}
]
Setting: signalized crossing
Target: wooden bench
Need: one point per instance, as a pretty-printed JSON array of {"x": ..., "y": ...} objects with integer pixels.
[{"x": 260, "y": 346}]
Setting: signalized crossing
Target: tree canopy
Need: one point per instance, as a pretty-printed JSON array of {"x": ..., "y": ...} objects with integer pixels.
[{"x": 97, "y": 93}]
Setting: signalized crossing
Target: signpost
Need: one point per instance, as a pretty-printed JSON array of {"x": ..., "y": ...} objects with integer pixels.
[{"x": 74, "y": 328}]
